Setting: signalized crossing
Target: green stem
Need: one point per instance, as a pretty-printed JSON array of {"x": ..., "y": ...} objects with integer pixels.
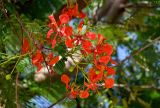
[
  {"x": 4, "y": 53},
  {"x": 77, "y": 65},
  {"x": 83, "y": 72},
  {"x": 76, "y": 74},
  {"x": 15, "y": 65},
  {"x": 12, "y": 58}
]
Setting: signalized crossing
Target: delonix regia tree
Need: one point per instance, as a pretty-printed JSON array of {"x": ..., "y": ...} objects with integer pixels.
[{"x": 116, "y": 43}]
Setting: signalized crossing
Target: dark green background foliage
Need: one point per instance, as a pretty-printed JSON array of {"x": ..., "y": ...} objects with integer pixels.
[{"x": 139, "y": 75}]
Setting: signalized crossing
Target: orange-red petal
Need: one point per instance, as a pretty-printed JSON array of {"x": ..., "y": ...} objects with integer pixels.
[
  {"x": 104, "y": 59},
  {"x": 65, "y": 79},
  {"x": 74, "y": 93},
  {"x": 84, "y": 94},
  {"x": 101, "y": 38},
  {"x": 52, "y": 20},
  {"x": 49, "y": 33},
  {"x": 38, "y": 57},
  {"x": 69, "y": 42},
  {"x": 91, "y": 35},
  {"x": 92, "y": 86},
  {"x": 25, "y": 46},
  {"x": 54, "y": 61},
  {"x": 80, "y": 25},
  {"x": 110, "y": 71},
  {"x": 109, "y": 82},
  {"x": 64, "y": 18}
]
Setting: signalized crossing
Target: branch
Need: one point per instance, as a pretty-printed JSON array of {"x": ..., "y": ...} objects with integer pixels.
[
  {"x": 139, "y": 50},
  {"x": 61, "y": 99},
  {"x": 35, "y": 42},
  {"x": 142, "y": 5},
  {"x": 17, "y": 99},
  {"x": 112, "y": 10},
  {"x": 140, "y": 86}
]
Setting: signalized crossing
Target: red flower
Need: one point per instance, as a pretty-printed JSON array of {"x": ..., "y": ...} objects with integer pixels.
[
  {"x": 49, "y": 33},
  {"x": 67, "y": 31},
  {"x": 87, "y": 45},
  {"x": 97, "y": 51},
  {"x": 82, "y": 14},
  {"x": 54, "y": 61},
  {"x": 108, "y": 49},
  {"x": 74, "y": 11},
  {"x": 65, "y": 79},
  {"x": 101, "y": 38},
  {"x": 103, "y": 49},
  {"x": 52, "y": 20},
  {"x": 84, "y": 94},
  {"x": 69, "y": 42},
  {"x": 74, "y": 93},
  {"x": 93, "y": 76},
  {"x": 37, "y": 59},
  {"x": 49, "y": 57},
  {"x": 80, "y": 25},
  {"x": 64, "y": 18},
  {"x": 110, "y": 71},
  {"x": 104, "y": 59},
  {"x": 91, "y": 35},
  {"x": 78, "y": 39},
  {"x": 109, "y": 82},
  {"x": 39, "y": 66},
  {"x": 25, "y": 46},
  {"x": 92, "y": 86}
]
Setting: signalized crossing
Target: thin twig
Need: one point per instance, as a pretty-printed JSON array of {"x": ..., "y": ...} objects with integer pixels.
[
  {"x": 141, "y": 5},
  {"x": 16, "y": 87},
  {"x": 139, "y": 50},
  {"x": 12, "y": 58},
  {"x": 29, "y": 34},
  {"x": 130, "y": 86},
  {"x": 139, "y": 86},
  {"x": 61, "y": 99},
  {"x": 49, "y": 71}
]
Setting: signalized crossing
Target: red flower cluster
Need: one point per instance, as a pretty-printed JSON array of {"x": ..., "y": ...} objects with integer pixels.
[
  {"x": 61, "y": 28},
  {"x": 94, "y": 78},
  {"x": 91, "y": 44},
  {"x": 100, "y": 52}
]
